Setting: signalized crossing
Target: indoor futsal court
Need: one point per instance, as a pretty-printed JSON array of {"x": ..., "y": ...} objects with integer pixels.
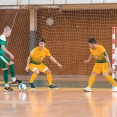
[{"x": 66, "y": 25}]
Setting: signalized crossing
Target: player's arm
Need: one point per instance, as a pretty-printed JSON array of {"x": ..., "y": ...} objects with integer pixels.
[
  {"x": 7, "y": 52},
  {"x": 89, "y": 59},
  {"x": 32, "y": 53},
  {"x": 108, "y": 61},
  {"x": 55, "y": 61},
  {"x": 28, "y": 62}
]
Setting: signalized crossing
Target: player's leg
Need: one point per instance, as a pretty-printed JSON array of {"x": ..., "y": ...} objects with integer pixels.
[
  {"x": 105, "y": 71},
  {"x": 44, "y": 68},
  {"x": 115, "y": 74},
  {"x": 91, "y": 81},
  {"x": 35, "y": 70},
  {"x": 96, "y": 70},
  {"x": 5, "y": 76},
  {"x": 49, "y": 78},
  {"x": 12, "y": 72},
  {"x": 4, "y": 68},
  {"x": 115, "y": 78},
  {"x": 11, "y": 68}
]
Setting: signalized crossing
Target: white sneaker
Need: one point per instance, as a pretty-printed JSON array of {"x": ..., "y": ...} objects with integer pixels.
[
  {"x": 87, "y": 89},
  {"x": 114, "y": 89}
]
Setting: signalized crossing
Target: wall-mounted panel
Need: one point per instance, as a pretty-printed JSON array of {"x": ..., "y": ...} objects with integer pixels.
[
  {"x": 97, "y": 1},
  {"x": 78, "y": 1},
  {"x": 59, "y": 1},
  {"x": 8, "y": 2},
  {"x": 110, "y": 1}
]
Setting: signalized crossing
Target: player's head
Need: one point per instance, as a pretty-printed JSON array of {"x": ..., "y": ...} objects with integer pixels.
[
  {"x": 7, "y": 31},
  {"x": 92, "y": 43},
  {"x": 42, "y": 43}
]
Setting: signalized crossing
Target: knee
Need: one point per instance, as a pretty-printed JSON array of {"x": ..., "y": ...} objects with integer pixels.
[
  {"x": 3, "y": 69},
  {"x": 10, "y": 63},
  {"x": 36, "y": 72},
  {"x": 48, "y": 72},
  {"x": 105, "y": 74},
  {"x": 94, "y": 73}
]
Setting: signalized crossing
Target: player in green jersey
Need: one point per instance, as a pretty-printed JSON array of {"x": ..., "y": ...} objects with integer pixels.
[{"x": 5, "y": 62}]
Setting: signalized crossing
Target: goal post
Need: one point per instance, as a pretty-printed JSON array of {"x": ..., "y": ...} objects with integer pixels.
[{"x": 114, "y": 29}]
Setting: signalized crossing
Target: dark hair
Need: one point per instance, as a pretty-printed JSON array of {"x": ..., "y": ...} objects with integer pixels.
[
  {"x": 42, "y": 40},
  {"x": 92, "y": 40}
]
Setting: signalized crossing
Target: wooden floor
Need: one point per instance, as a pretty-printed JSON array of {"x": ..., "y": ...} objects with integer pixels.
[{"x": 62, "y": 102}]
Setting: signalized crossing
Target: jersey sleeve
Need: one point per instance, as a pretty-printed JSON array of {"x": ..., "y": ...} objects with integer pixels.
[
  {"x": 2, "y": 42},
  {"x": 48, "y": 53},
  {"x": 102, "y": 50},
  {"x": 32, "y": 53},
  {"x": 91, "y": 51}
]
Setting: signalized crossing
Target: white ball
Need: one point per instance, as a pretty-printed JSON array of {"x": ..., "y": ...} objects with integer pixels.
[
  {"x": 22, "y": 87},
  {"x": 49, "y": 21}
]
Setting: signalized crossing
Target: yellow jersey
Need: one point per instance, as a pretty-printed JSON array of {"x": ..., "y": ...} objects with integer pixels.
[
  {"x": 99, "y": 53},
  {"x": 37, "y": 55}
]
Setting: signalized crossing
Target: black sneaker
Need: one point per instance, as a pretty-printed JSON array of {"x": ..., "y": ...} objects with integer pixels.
[
  {"x": 53, "y": 87},
  {"x": 31, "y": 85},
  {"x": 8, "y": 89},
  {"x": 17, "y": 82}
]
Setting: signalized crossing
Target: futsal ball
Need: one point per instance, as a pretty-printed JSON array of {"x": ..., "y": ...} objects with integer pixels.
[
  {"x": 49, "y": 21},
  {"x": 22, "y": 87}
]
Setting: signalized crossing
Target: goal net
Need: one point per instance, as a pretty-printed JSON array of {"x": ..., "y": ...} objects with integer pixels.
[{"x": 66, "y": 30}]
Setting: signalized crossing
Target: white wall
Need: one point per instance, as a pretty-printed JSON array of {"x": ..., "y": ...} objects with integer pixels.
[
  {"x": 40, "y": 2},
  {"x": 8, "y": 2},
  {"x": 78, "y": 1},
  {"x": 59, "y": 1},
  {"x": 52, "y": 2},
  {"x": 97, "y": 1},
  {"x": 110, "y": 1}
]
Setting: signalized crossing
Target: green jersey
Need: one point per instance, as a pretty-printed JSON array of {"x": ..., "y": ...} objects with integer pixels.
[{"x": 2, "y": 42}]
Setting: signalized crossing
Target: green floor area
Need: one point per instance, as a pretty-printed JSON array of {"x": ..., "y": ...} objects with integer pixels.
[
  {"x": 68, "y": 84},
  {"x": 73, "y": 84}
]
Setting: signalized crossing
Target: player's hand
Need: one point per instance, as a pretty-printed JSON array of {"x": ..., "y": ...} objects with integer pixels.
[
  {"x": 59, "y": 65},
  {"x": 86, "y": 61},
  {"x": 111, "y": 70},
  {"x": 11, "y": 56},
  {"x": 27, "y": 69}
]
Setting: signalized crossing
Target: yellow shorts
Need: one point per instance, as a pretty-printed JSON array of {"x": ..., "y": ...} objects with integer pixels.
[
  {"x": 41, "y": 67},
  {"x": 101, "y": 67}
]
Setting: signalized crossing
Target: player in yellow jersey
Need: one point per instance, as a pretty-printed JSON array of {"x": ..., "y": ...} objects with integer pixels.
[
  {"x": 102, "y": 64},
  {"x": 34, "y": 63}
]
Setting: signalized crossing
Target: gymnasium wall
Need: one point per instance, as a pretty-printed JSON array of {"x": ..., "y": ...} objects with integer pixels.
[{"x": 66, "y": 39}]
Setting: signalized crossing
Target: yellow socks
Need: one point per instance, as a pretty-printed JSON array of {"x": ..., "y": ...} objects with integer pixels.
[
  {"x": 49, "y": 78},
  {"x": 111, "y": 80},
  {"x": 91, "y": 81},
  {"x": 108, "y": 77},
  {"x": 33, "y": 78}
]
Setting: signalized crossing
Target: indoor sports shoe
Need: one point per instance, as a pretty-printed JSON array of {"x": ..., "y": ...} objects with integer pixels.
[
  {"x": 31, "y": 85},
  {"x": 17, "y": 82},
  {"x": 114, "y": 89},
  {"x": 87, "y": 89},
  {"x": 53, "y": 87},
  {"x": 8, "y": 89}
]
